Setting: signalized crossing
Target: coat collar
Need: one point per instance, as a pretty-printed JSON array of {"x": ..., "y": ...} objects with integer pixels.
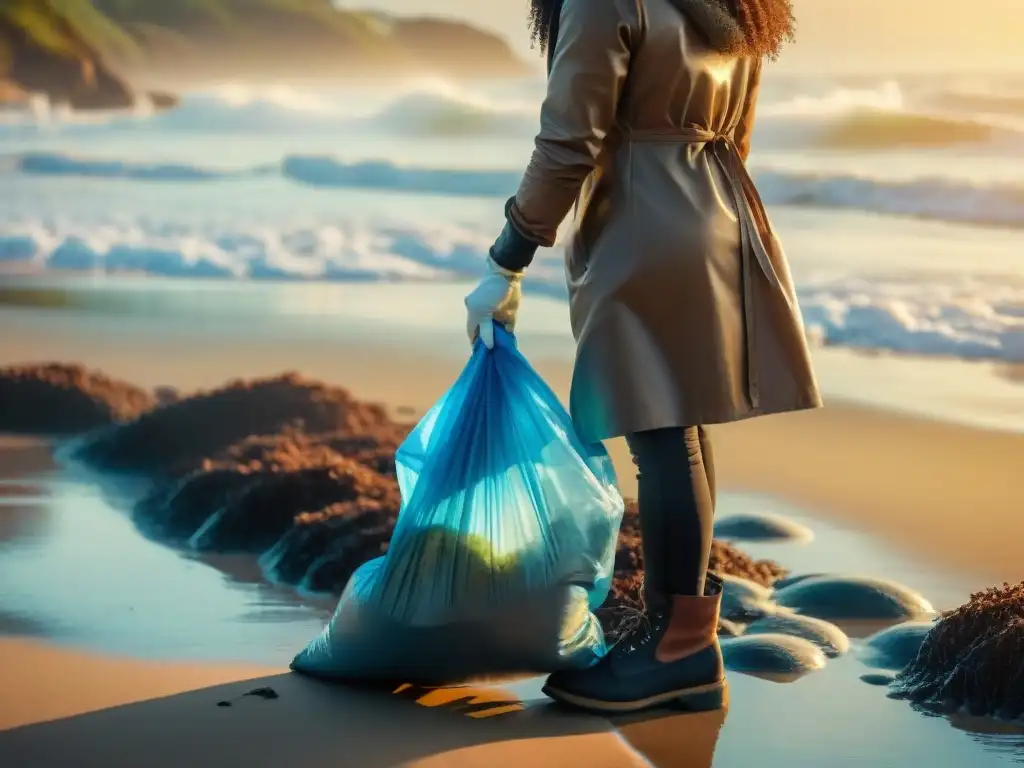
[{"x": 719, "y": 26}]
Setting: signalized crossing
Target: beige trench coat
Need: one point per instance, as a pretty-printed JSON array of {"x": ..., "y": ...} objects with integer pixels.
[{"x": 682, "y": 303}]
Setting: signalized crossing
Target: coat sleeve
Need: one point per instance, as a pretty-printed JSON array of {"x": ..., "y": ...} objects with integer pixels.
[
  {"x": 745, "y": 129},
  {"x": 588, "y": 70}
]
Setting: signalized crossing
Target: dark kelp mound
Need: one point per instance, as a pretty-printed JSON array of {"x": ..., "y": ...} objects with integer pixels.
[
  {"x": 256, "y": 491},
  {"x": 323, "y": 549},
  {"x": 626, "y": 597},
  {"x": 179, "y": 437},
  {"x": 56, "y": 399},
  {"x": 304, "y": 474},
  {"x": 971, "y": 659}
]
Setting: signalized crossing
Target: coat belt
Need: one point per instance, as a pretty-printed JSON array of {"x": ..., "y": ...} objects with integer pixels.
[{"x": 754, "y": 227}]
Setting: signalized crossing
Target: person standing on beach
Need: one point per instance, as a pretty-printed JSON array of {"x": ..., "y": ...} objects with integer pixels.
[{"x": 681, "y": 300}]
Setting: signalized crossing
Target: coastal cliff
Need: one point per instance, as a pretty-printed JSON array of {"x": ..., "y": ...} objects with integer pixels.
[
  {"x": 43, "y": 50},
  {"x": 96, "y": 55}
]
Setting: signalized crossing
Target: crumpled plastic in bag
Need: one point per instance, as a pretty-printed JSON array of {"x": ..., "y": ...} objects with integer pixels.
[{"x": 503, "y": 547}]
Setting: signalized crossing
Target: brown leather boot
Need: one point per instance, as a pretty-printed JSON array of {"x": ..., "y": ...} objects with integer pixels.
[{"x": 671, "y": 657}]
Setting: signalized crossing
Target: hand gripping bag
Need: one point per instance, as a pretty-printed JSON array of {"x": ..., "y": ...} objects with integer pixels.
[{"x": 504, "y": 545}]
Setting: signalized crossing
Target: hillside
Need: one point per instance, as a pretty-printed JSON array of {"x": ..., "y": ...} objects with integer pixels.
[
  {"x": 42, "y": 50},
  {"x": 86, "y": 53}
]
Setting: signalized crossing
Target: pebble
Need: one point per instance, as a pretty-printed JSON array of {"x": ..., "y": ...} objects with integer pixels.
[
  {"x": 761, "y": 527},
  {"x": 897, "y": 646},
  {"x": 852, "y": 598},
  {"x": 830, "y": 638},
  {"x": 781, "y": 657}
]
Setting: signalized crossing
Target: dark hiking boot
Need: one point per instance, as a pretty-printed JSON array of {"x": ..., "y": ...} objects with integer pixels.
[{"x": 671, "y": 657}]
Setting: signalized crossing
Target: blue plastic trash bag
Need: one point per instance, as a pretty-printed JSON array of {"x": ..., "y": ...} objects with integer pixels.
[{"x": 504, "y": 545}]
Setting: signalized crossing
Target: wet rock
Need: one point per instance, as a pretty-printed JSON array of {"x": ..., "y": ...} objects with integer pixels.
[
  {"x": 744, "y": 600},
  {"x": 57, "y": 399},
  {"x": 895, "y": 647},
  {"x": 852, "y": 598},
  {"x": 877, "y": 678},
  {"x": 830, "y": 638},
  {"x": 179, "y": 437},
  {"x": 778, "y": 657},
  {"x": 971, "y": 659},
  {"x": 761, "y": 527},
  {"x": 788, "y": 581},
  {"x": 727, "y": 628}
]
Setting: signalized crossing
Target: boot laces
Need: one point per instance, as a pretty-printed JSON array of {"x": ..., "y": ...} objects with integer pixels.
[{"x": 639, "y": 629}]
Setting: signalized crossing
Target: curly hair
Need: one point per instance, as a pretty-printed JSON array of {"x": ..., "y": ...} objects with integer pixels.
[
  {"x": 767, "y": 24},
  {"x": 541, "y": 16},
  {"x": 764, "y": 25}
]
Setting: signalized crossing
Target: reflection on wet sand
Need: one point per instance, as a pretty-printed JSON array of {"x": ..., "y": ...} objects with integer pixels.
[
  {"x": 130, "y": 713},
  {"x": 993, "y": 735},
  {"x": 22, "y": 510},
  {"x": 24, "y": 457},
  {"x": 666, "y": 738}
]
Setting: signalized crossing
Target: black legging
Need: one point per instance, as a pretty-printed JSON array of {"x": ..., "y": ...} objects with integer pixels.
[{"x": 677, "y": 507}]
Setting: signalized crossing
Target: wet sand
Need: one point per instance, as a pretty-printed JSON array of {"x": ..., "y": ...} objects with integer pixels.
[
  {"x": 915, "y": 485},
  {"x": 63, "y": 708},
  {"x": 949, "y": 493}
]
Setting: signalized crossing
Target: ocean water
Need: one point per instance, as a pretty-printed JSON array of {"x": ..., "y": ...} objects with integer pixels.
[{"x": 900, "y": 201}]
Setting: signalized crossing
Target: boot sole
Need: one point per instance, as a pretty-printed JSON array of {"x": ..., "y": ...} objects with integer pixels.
[{"x": 704, "y": 698}]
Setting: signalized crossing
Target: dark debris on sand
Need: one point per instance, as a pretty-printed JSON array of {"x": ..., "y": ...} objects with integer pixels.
[
  {"x": 972, "y": 658},
  {"x": 59, "y": 399},
  {"x": 183, "y": 435},
  {"x": 303, "y": 473}
]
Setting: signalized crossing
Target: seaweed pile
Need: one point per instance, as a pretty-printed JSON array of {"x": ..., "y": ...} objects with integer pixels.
[
  {"x": 58, "y": 399},
  {"x": 291, "y": 469},
  {"x": 971, "y": 659},
  {"x": 246, "y": 424}
]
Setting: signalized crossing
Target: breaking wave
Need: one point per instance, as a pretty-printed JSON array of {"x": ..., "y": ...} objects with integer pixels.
[
  {"x": 975, "y": 317},
  {"x": 941, "y": 199}
]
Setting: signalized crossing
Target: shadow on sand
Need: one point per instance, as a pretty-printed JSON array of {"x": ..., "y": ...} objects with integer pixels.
[{"x": 291, "y": 721}]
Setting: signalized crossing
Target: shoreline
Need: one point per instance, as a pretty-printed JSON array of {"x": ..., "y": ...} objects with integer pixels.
[
  {"x": 946, "y": 493},
  {"x": 911, "y": 480},
  {"x": 65, "y": 703}
]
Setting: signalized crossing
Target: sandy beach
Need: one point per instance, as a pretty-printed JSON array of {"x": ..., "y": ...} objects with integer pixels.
[
  {"x": 63, "y": 708},
  {"x": 920, "y": 482},
  {"x": 229, "y": 291},
  {"x": 895, "y": 494}
]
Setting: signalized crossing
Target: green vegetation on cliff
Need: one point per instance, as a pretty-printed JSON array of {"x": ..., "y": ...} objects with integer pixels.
[
  {"x": 61, "y": 47},
  {"x": 57, "y": 48}
]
